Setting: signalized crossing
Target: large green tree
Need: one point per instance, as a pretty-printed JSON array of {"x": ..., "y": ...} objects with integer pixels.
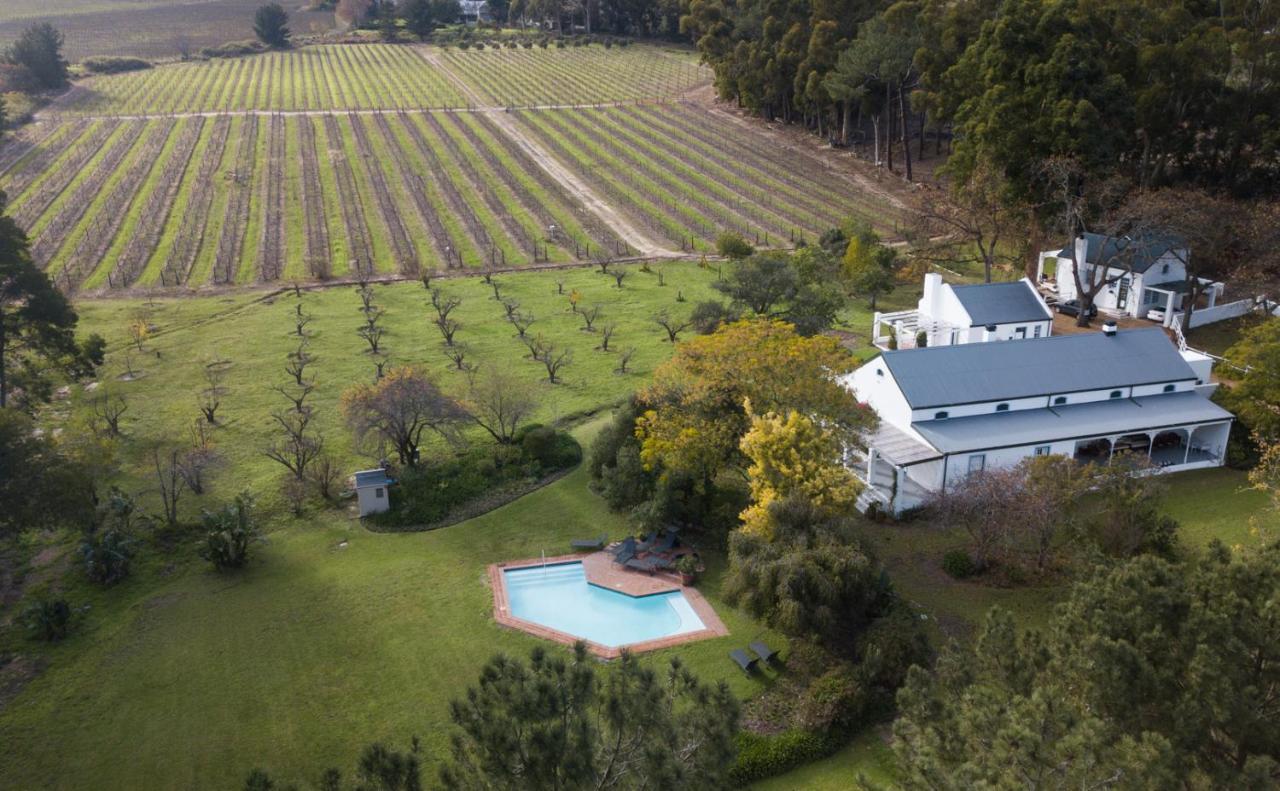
[
  {"x": 271, "y": 25},
  {"x": 39, "y": 50},
  {"x": 1152, "y": 675},
  {"x": 36, "y": 320},
  {"x": 557, "y": 722}
]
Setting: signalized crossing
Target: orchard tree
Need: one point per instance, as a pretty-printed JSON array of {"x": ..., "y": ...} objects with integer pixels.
[
  {"x": 271, "y": 25},
  {"x": 36, "y": 320},
  {"x": 499, "y": 403},
  {"x": 398, "y": 409},
  {"x": 762, "y": 282},
  {"x": 559, "y": 722}
]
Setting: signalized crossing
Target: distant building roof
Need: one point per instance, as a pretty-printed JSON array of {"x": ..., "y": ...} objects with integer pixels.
[
  {"x": 976, "y": 372},
  {"x": 1116, "y": 251},
  {"x": 1001, "y": 303},
  {"x": 367, "y": 478},
  {"x": 1079, "y": 421}
]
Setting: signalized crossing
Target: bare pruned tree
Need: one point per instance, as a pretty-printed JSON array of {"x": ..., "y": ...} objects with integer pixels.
[
  {"x": 195, "y": 463},
  {"x": 398, "y": 410},
  {"x": 372, "y": 334},
  {"x": 619, "y": 274},
  {"x": 624, "y": 359},
  {"x": 300, "y": 321},
  {"x": 448, "y": 328},
  {"x": 210, "y": 398},
  {"x": 499, "y": 403},
  {"x": 606, "y": 334},
  {"x": 458, "y": 353},
  {"x": 297, "y": 394},
  {"x": 497, "y": 288},
  {"x": 554, "y": 359},
  {"x": 589, "y": 316},
  {"x": 107, "y": 411},
  {"x": 443, "y": 304},
  {"x": 297, "y": 362},
  {"x": 296, "y": 448},
  {"x": 672, "y": 326},
  {"x": 522, "y": 322},
  {"x": 974, "y": 224},
  {"x": 326, "y": 475},
  {"x": 170, "y": 480},
  {"x": 380, "y": 363},
  {"x": 511, "y": 307},
  {"x": 365, "y": 292}
]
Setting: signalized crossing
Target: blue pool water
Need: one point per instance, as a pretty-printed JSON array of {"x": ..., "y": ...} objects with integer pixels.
[{"x": 559, "y": 596}]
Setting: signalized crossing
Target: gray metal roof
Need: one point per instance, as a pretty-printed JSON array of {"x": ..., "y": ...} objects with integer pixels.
[
  {"x": 366, "y": 478},
  {"x": 1001, "y": 370},
  {"x": 1117, "y": 251},
  {"x": 1001, "y": 303},
  {"x": 1079, "y": 421}
]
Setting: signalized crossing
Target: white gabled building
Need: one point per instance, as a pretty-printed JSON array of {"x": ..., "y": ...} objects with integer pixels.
[
  {"x": 946, "y": 411},
  {"x": 951, "y": 315},
  {"x": 1146, "y": 279}
]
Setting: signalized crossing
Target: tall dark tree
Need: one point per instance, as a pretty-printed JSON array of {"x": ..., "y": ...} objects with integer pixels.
[
  {"x": 271, "y": 25},
  {"x": 39, "y": 50},
  {"x": 36, "y": 320},
  {"x": 554, "y": 723}
]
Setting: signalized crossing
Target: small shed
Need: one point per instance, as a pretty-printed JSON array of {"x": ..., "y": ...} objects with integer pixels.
[{"x": 371, "y": 491}]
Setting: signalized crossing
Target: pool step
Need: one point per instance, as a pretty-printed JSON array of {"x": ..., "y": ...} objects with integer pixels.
[{"x": 535, "y": 576}]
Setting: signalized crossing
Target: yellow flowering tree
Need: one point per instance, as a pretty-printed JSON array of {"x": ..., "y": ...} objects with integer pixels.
[
  {"x": 793, "y": 456},
  {"x": 696, "y": 417}
]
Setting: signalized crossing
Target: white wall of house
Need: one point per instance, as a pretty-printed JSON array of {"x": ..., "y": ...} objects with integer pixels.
[
  {"x": 873, "y": 384},
  {"x": 944, "y": 318},
  {"x": 1127, "y": 295}
]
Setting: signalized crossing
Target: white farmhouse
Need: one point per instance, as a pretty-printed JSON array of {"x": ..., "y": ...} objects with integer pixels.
[
  {"x": 946, "y": 411},
  {"x": 949, "y": 315},
  {"x": 372, "y": 491},
  {"x": 1153, "y": 289}
]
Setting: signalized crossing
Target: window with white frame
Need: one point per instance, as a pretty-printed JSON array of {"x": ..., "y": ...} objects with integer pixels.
[
  {"x": 977, "y": 462},
  {"x": 1043, "y": 450}
]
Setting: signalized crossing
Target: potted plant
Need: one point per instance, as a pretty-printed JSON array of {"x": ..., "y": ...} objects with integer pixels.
[{"x": 688, "y": 568}]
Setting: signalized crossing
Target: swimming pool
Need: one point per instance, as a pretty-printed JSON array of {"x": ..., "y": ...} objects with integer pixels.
[{"x": 558, "y": 596}]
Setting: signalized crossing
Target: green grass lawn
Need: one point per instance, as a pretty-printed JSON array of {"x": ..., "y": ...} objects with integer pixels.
[{"x": 186, "y": 678}]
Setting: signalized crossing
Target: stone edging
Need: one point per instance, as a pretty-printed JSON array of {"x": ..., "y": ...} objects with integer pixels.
[{"x": 501, "y": 613}]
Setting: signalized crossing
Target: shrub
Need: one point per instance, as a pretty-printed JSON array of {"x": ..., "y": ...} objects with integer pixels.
[
  {"x": 834, "y": 702},
  {"x": 707, "y": 316},
  {"x": 959, "y": 565},
  {"x": 559, "y": 43},
  {"x": 106, "y": 555},
  {"x": 732, "y": 246},
  {"x": 761, "y": 757},
  {"x": 48, "y": 619},
  {"x": 233, "y": 49},
  {"x": 229, "y": 533},
  {"x": 922, "y": 339},
  {"x": 551, "y": 449},
  {"x": 114, "y": 64}
]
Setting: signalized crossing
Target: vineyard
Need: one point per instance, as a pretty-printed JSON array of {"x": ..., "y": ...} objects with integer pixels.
[
  {"x": 235, "y": 172},
  {"x": 536, "y": 77},
  {"x": 324, "y": 77}
]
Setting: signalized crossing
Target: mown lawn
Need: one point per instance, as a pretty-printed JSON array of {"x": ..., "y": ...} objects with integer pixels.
[{"x": 186, "y": 678}]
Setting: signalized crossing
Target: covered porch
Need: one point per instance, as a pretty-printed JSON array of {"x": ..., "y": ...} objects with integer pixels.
[
  {"x": 1170, "y": 449},
  {"x": 1162, "y": 301},
  {"x": 882, "y": 470}
]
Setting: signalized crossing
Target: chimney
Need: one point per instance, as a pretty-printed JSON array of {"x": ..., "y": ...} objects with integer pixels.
[
  {"x": 1109, "y": 329},
  {"x": 932, "y": 291}
]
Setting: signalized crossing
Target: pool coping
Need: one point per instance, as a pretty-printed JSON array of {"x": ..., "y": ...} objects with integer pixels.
[{"x": 713, "y": 626}]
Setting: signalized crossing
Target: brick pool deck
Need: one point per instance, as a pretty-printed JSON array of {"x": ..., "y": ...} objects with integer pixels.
[{"x": 601, "y": 571}]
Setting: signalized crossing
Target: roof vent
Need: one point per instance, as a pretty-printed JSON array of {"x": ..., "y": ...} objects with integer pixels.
[{"x": 1109, "y": 329}]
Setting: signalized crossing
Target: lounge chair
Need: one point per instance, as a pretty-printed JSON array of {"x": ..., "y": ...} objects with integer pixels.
[
  {"x": 589, "y": 543},
  {"x": 648, "y": 564},
  {"x": 646, "y": 543},
  {"x": 763, "y": 651},
  {"x": 747, "y": 663},
  {"x": 626, "y": 552},
  {"x": 668, "y": 542}
]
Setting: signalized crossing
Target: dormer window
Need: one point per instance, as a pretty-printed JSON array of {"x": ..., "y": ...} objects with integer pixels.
[
  {"x": 1116, "y": 393},
  {"x": 879, "y": 372},
  {"x": 1059, "y": 400},
  {"x": 1002, "y": 407},
  {"x": 940, "y": 415},
  {"x": 1169, "y": 388}
]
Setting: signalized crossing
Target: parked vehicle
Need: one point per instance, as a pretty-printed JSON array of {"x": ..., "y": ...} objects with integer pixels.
[{"x": 1072, "y": 308}]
